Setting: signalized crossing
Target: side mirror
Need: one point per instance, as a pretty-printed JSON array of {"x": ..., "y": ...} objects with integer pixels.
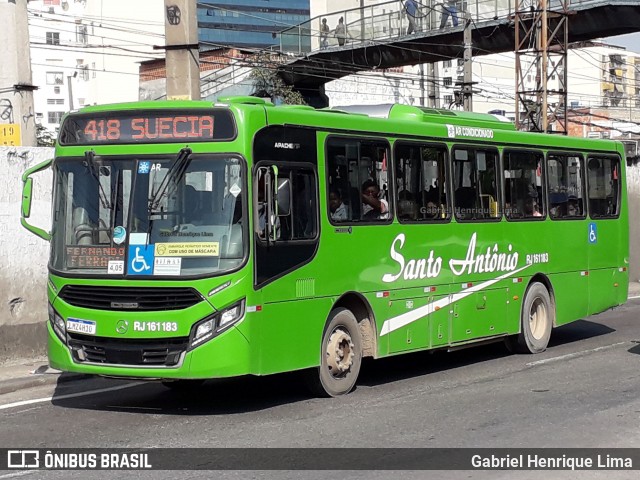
[
  {"x": 283, "y": 197},
  {"x": 27, "y": 190}
]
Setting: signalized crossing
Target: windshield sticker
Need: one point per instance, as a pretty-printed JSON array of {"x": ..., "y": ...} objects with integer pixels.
[
  {"x": 115, "y": 267},
  {"x": 92, "y": 256},
  {"x": 144, "y": 167},
  {"x": 137, "y": 239},
  {"x": 196, "y": 249},
  {"x": 140, "y": 260},
  {"x": 167, "y": 265},
  {"x": 119, "y": 235},
  {"x": 235, "y": 190}
]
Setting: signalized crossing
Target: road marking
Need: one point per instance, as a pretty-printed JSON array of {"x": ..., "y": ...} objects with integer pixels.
[
  {"x": 18, "y": 474},
  {"x": 69, "y": 395},
  {"x": 635, "y": 296},
  {"x": 574, "y": 354}
]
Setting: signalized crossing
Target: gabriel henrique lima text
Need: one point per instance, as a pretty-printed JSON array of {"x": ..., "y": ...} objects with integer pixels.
[{"x": 552, "y": 463}]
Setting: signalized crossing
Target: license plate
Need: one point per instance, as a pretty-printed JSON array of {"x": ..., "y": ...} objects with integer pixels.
[{"x": 76, "y": 325}]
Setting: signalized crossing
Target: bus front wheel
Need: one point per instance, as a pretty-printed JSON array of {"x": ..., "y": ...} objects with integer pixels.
[
  {"x": 340, "y": 357},
  {"x": 536, "y": 321}
]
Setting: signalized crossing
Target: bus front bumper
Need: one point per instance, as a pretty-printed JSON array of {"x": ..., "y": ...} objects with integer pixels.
[{"x": 226, "y": 355}]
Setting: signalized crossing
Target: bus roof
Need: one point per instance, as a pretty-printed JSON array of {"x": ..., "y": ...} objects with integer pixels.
[{"x": 406, "y": 119}]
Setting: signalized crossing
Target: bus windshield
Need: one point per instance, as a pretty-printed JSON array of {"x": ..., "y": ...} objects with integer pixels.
[{"x": 156, "y": 216}]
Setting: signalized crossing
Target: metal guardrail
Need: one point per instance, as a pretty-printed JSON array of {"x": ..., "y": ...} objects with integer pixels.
[{"x": 389, "y": 21}]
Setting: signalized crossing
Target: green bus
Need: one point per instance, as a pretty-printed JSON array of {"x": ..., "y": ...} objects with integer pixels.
[{"x": 193, "y": 240}]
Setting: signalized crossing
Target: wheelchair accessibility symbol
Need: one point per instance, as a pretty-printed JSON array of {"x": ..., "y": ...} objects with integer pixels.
[
  {"x": 593, "y": 233},
  {"x": 140, "y": 260}
]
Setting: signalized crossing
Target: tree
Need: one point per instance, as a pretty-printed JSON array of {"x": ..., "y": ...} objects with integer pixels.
[
  {"x": 44, "y": 137},
  {"x": 267, "y": 82}
]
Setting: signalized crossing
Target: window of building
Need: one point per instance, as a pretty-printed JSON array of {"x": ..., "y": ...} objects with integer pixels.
[
  {"x": 447, "y": 81},
  {"x": 475, "y": 188},
  {"x": 421, "y": 181},
  {"x": 53, "y": 38},
  {"x": 523, "y": 181},
  {"x": 54, "y": 117},
  {"x": 56, "y": 90},
  {"x": 446, "y": 63},
  {"x": 55, "y": 101},
  {"x": 358, "y": 180},
  {"x": 83, "y": 72},
  {"x": 565, "y": 185},
  {"x": 82, "y": 34},
  {"x": 448, "y": 100},
  {"x": 55, "y": 78},
  {"x": 603, "y": 175}
]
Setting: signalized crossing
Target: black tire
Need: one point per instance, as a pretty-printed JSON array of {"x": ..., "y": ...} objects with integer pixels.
[
  {"x": 183, "y": 385},
  {"x": 337, "y": 375},
  {"x": 536, "y": 321}
]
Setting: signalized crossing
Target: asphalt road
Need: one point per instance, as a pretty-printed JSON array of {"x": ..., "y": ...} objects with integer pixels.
[{"x": 584, "y": 391}]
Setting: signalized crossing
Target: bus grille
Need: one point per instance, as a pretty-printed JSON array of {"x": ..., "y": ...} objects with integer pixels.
[
  {"x": 130, "y": 298},
  {"x": 164, "y": 352}
]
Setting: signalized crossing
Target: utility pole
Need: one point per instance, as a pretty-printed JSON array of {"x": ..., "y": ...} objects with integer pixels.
[
  {"x": 434, "y": 90},
  {"x": 421, "y": 69},
  {"x": 17, "y": 117},
  {"x": 182, "y": 53},
  {"x": 542, "y": 38},
  {"x": 467, "y": 84}
]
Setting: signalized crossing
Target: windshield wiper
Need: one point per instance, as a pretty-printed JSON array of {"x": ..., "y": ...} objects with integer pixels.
[
  {"x": 176, "y": 172},
  {"x": 89, "y": 162}
]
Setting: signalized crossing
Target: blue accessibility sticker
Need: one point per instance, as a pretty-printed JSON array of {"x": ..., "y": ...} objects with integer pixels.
[
  {"x": 593, "y": 233},
  {"x": 140, "y": 260}
]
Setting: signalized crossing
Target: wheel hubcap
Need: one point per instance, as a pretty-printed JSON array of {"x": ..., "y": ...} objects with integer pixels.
[
  {"x": 538, "y": 318},
  {"x": 339, "y": 353}
]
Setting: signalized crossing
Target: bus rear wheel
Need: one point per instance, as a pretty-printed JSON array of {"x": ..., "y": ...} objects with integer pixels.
[
  {"x": 537, "y": 319},
  {"x": 340, "y": 356}
]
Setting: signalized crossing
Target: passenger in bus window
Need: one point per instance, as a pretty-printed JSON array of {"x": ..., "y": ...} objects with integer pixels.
[
  {"x": 573, "y": 207},
  {"x": 373, "y": 207},
  {"x": 337, "y": 208},
  {"x": 531, "y": 208}
]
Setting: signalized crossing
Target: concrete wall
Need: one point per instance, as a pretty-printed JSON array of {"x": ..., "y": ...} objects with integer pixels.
[{"x": 23, "y": 256}]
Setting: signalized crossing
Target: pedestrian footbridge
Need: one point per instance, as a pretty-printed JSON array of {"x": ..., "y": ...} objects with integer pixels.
[{"x": 379, "y": 37}]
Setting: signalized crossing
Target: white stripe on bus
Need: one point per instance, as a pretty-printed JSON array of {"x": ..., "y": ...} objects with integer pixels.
[{"x": 406, "y": 318}]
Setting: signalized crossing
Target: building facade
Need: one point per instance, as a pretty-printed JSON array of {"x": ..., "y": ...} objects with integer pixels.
[
  {"x": 86, "y": 52},
  {"x": 247, "y": 23}
]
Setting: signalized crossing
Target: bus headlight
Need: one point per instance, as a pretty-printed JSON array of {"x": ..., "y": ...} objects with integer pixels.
[
  {"x": 209, "y": 327},
  {"x": 231, "y": 315},
  {"x": 57, "y": 322}
]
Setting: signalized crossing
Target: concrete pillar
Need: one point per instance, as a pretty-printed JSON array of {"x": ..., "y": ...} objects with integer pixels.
[
  {"x": 16, "y": 90},
  {"x": 182, "y": 59}
]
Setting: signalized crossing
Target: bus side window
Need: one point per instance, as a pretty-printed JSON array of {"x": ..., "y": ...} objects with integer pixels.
[
  {"x": 603, "y": 178},
  {"x": 523, "y": 185},
  {"x": 475, "y": 183},
  {"x": 420, "y": 175},
  {"x": 353, "y": 166},
  {"x": 565, "y": 186}
]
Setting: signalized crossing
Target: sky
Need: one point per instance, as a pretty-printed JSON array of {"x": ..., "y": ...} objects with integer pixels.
[{"x": 630, "y": 41}]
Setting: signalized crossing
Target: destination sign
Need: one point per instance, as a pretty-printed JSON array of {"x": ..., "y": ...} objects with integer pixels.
[{"x": 156, "y": 126}]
